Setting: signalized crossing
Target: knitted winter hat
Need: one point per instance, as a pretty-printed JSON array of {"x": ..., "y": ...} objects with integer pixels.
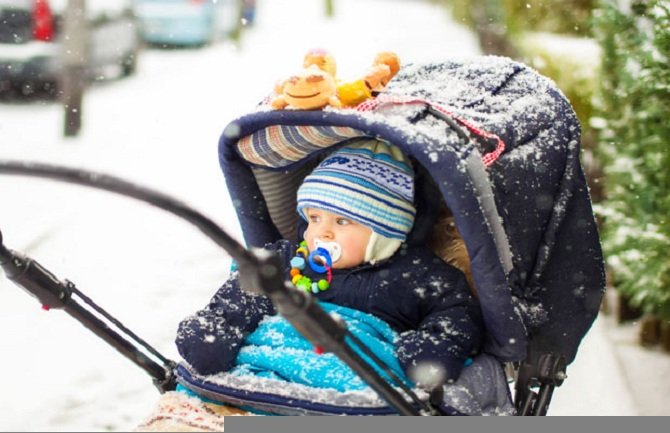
[{"x": 370, "y": 182}]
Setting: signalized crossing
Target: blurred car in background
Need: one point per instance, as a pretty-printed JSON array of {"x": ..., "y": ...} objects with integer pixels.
[
  {"x": 31, "y": 35},
  {"x": 186, "y": 22},
  {"x": 249, "y": 12}
]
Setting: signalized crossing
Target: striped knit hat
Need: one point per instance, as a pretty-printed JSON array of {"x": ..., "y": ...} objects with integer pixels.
[{"x": 370, "y": 182}]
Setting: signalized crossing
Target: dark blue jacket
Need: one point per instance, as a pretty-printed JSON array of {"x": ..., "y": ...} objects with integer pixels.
[{"x": 427, "y": 301}]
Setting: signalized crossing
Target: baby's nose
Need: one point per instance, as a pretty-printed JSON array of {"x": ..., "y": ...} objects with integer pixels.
[{"x": 326, "y": 233}]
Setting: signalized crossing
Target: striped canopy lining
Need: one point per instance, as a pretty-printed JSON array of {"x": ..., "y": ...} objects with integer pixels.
[
  {"x": 278, "y": 147},
  {"x": 279, "y": 190}
]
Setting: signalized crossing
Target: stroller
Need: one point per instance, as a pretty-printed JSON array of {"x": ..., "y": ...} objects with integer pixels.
[{"x": 496, "y": 144}]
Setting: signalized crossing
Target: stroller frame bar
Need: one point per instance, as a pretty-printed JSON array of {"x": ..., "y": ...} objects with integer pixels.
[
  {"x": 53, "y": 293},
  {"x": 547, "y": 373}
]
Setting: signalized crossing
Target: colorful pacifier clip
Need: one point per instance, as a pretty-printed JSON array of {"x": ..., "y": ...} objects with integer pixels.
[{"x": 300, "y": 261}]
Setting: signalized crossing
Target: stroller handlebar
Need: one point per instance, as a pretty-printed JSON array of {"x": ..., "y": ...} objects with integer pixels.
[
  {"x": 34, "y": 278},
  {"x": 5, "y": 254},
  {"x": 53, "y": 293}
]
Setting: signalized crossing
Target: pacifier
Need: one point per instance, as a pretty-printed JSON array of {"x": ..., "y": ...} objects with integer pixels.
[
  {"x": 319, "y": 260},
  {"x": 334, "y": 249}
]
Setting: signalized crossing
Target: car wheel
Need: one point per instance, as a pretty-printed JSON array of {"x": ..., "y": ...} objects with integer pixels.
[
  {"x": 36, "y": 89},
  {"x": 6, "y": 87},
  {"x": 49, "y": 88},
  {"x": 27, "y": 88},
  {"x": 129, "y": 65}
]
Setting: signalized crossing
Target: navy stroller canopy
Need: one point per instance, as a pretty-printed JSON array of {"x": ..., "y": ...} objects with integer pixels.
[{"x": 498, "y": 144}]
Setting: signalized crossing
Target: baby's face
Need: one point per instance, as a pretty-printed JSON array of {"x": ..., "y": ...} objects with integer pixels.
[{"x": 352, "y": 237}]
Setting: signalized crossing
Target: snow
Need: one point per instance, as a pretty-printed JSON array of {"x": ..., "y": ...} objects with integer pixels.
[{"x": 160, "y": 129}]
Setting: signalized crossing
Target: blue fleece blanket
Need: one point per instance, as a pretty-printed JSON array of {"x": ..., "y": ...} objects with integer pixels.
[{"x": 276, "y": 350}]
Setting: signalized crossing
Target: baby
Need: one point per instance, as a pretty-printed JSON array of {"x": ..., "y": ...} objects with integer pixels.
[{"x": 358, "y": 204}]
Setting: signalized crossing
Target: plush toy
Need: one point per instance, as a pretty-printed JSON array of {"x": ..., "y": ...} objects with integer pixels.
[
  {"x": 316, "y": 85},
  {"x": 309, "y": 89},
  {"x": 385, "y": 58},
  {"x": 384, "y": 67},
  {"x": 318, "y": 57},
  {"x": 322, "y": 59}
]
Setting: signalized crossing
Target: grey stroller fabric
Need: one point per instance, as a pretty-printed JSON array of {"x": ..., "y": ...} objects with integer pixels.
[{"x": 481, "y": 389}]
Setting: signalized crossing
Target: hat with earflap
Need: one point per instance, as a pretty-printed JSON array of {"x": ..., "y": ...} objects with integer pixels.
[{"x": 370, "y": 182}]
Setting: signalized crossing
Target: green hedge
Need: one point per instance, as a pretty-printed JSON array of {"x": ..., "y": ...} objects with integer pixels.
[
  {"x": 634, "y": 109},
  {"x": 567, "y": 17},
  {"x": 513, "y": 16}
]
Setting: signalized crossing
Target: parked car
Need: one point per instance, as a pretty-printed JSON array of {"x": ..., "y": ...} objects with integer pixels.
[
  {"x": 186, "y": 22},
  {"x": 31, "y": 36},
  {"x": 249, "y": 12}
]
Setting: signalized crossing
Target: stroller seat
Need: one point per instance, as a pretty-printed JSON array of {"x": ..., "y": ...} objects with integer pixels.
[{"x": 498, "y": 145}]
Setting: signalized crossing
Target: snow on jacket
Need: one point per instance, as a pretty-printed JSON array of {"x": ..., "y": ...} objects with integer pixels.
[{"x": 425, "y": 300}]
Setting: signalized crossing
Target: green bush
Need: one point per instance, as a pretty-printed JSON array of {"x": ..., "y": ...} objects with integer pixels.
[
  {"x": 515, "y": 17},
  {"x": 460, "y": 10},
  {"x": 568, "y": 17},
  {"x": 634, "y": 109}
]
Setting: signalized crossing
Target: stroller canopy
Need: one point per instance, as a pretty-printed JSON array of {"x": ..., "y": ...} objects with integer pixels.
[{"x": 501, "y": 145}]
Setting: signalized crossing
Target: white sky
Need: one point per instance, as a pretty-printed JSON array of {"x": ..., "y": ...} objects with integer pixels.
[{"x": 160, "y": 129}]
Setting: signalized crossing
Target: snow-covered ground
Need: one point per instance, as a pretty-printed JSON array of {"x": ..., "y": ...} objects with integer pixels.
[{"x": 160, "y": 129}]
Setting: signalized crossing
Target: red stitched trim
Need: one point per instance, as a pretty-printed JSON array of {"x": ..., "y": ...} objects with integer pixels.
[{"x": 487, "y": 159}]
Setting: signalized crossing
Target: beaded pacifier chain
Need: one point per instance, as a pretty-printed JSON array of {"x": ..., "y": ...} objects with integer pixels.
[{"x": 300, "y": 261}]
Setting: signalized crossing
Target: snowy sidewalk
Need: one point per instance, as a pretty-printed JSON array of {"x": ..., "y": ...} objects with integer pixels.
[
  {"x": 595, "y": 384},
  {"x": 644, "y": 370},
  {"x": 614, "y": 376}
]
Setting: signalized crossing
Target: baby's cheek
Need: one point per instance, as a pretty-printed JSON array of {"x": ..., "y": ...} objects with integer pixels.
[{"x": 310, "y": 239}]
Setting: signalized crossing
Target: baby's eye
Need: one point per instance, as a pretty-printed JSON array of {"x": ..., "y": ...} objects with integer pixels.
[
  {"x": 314, "y": 218},
  {"x": 343, "y": 221}
]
